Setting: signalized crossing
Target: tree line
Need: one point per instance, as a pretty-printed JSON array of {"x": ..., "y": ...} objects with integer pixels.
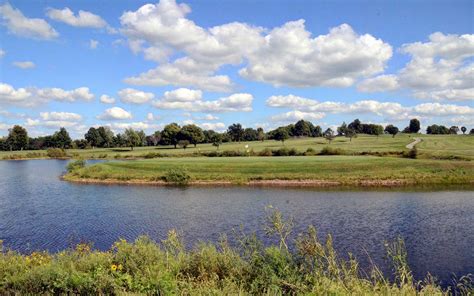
[{"x": 191, "y": 134}]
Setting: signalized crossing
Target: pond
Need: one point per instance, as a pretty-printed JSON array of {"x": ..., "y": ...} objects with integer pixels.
[{"x": 38, "y": 211}]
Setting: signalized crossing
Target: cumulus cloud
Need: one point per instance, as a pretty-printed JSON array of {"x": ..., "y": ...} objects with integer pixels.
[
  {"x": 236, "y": 102},
  {"x": 216, "y": 126},
  {"x": 296, "y": 115},
  {"x": 388, "y": 110},
  {"x": 115, "y": 113},
  {"x": 21, "y": 25},
  {"x": 2, "y": 53},
  {"x": 134, "y": 96},
  {"x": 439, "y": 69},
  {"x": 182, "y": 95},
  {"x": 107, "y": 99},
  {"x": 24, "y": 65},
  {"x": 60, "y": 116},
  {"x": 93, "y": 44},
  {"x": 28, "y": 97},
  {"x": 83, "y": 18},
  {"x": 286, "y": 55}
]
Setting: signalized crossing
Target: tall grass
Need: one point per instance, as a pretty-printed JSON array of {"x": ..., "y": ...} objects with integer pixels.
[{"x": 301, "y": 266}]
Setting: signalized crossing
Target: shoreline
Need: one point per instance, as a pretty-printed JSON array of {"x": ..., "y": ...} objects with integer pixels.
[{"x": 276, "y": 183}]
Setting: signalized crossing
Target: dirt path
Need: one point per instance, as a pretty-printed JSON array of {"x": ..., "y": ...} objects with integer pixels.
[{"x": 412, "y": 144}]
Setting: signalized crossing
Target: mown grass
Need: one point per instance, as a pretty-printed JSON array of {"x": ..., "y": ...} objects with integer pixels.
[
  {"x": 347, "y": 170},
  {"x": 446, "y": 146},
  {"x": 304, "y": 266}
]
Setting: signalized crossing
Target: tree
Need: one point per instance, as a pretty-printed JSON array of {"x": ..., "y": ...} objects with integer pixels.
[
  {"x": 302, "y": 128},
  {"x": 191, "y": 133},
  {"x": 454, "y": 130},
  {"x": 341, "y": 131},
  {"x": 141, "y": 134},
  {"x": 62, "y": 139},
  {"x": 106, "y": 136},
  {"x": 329, "y": 135},
  {"x": 169, "y": 135},
  {"x": 435, "y": 129},
  {"x": 17, "y": 138},
  {"x": 355, "y": 126},
  {"x": 250, "y": 134},
  {"x": 471, "y": 132},
  {"x": 131, "y": 138},
  {"x": 463, "y": 129},
  {"x": 392, "y": 130},
  {"x": 155, "y": 138},
  {"x": 260, "y": 134},
  {"x": 216, "y": 140},
  {"x": 235, "y": 132},
  {"x": 183, "y": 144},
  {"x": 281, "y": 134},
  {"x": 93, "y": 137},
  {"x": 414, "y": 126},
  {"x": 350, "y": 133},
  {"x": 316, "y": 131}
]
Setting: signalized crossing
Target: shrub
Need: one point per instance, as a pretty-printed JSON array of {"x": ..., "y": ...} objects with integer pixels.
[
  {"x": 310, "y": 151},
  {"x": 293, "y": 152},
  {"x": 77, "y": 164},
  {"x": 332, "y": 151},
  {"x": 413, "y": 153},
  {"x": 265, "y": 152},
  {"x": 150, "y": 155},
  {"x": 177, "y": 176},
  {"x": 281, "y": 152},
  {"x": 56, "y": 153},
  {"x": 230, "y": 153}
]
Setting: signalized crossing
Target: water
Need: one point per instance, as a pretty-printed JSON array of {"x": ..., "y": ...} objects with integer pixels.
[{"x": 40, "y": 212}]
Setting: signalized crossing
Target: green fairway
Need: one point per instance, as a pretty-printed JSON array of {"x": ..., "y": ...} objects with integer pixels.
[
  {"x": 446, "y": 146},
  {"x": 346, "y": 170}
]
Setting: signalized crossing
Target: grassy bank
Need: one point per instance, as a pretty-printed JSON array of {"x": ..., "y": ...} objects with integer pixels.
[
  {"x": 305, "y": 266},
  {"x": 311, "y": 170},
  {"x": 442, "y": 146}
]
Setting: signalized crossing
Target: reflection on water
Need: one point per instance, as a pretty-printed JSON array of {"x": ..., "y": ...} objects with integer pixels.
[{"x": 38, "y": 211}]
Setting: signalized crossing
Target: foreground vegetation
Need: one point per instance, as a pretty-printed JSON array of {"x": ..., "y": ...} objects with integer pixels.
[
  {"x": 304, "y": 266},
  {"x": 320, "y": 170}
]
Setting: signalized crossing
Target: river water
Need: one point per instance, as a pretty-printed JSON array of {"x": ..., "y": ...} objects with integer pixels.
[{"x": 38, "y": 211}]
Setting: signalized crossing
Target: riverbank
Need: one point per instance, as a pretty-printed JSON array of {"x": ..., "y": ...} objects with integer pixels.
[{"x": 312, "y": 171}]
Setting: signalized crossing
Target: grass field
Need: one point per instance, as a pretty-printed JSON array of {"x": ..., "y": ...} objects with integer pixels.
[
  {"x": 445, "y": 146},
  {"x": 346, "y": 170}
]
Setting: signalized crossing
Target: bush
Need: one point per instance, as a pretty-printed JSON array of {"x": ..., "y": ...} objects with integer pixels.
[
  {"x": 266, "y": 152},
  {"x": 281, "y": 152},
  {"x": 332, "y": 151},
  {"x": 150, "y": 155},
  {"x": 230, "y": 153},
  {"x": 413, "y": 153},
  {"x": 77, "y": 164},
  {"x": 56, "y": 153},
  {"x": 310, "y": 152},
  {"x": 177, "y": 176}
]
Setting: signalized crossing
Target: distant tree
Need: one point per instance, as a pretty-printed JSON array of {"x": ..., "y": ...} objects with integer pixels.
[
  {"x": 392, "y": 130},
  {"x": 79, "y": 144},
  {"x": 414, "y": 126},
  {"x": 406, "y": 130},
  {"x": 106, "y": 136},
  {"x": 191, "y": 133},
  {"x": 260, "y": 134},
  {"x": 471, "y": 132},
  {"x": 350, "y": 133},
  {"x": 302, "y": 128},
  {"x": 235, "y": 132},
  {"x": 316, "y": 131},
  {"x": 355, "y": 126},
  {"x": 250, "y": 134},
  {"x": 17, "y": 138},
  {"x": 281, "y": 134},
  {"x": 216, "y": 140},
  {"x": 341, "y": 130},
  {"x": 141, "y": 134},
  {"x": 131, "y": 138},
  {"x": 435, "y": 129},
  {"x": 463, "y": 129},
  {"x": 169, "y": 135},
  {"x": 119, "y": 140},
  {"x": 454, "y": 130},
  {"x": 183, "y": 143},
  {"x": 62, "y": 139},
  {"x": 329, "y": 135},
  {"x": 93, "y": 137}
]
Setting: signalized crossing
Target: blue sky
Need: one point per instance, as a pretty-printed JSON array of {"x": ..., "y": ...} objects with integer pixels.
[{"x": 212, "y": 63}]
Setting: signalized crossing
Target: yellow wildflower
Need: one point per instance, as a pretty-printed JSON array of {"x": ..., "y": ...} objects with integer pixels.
[
  {"x": 113, "y": 267},
  {"x": 120, "y": 267}
]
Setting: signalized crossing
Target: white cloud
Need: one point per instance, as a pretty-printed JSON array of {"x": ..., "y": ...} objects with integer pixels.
[
  {"x": 286, "y": 55},
  {"x": 216, "y": 126},
  {"x": 60, "y": 116},
  {"x": 293, "y": 116},
  {"x": 120, "y": 126},
  {"x": 233, "y": 103},
  {"x": 182, "y": 95},
  {"x": 20, "y": 25},
  {"x": 150, "y": 117},
  {"x": 133, "y": 96},
  {"x": 115, "y": 113},
  {"x": 2, "y": 53},
  {"x": 388, "y": 110},
  {"x": 439, "y": 69},
  {"x": 24, "y": 65},
  {"x": 28, "y": 97},
  {"x": 107, "y": 99},
  {"x": 93, "y": 44},
  {"x": 50, "y": 124},
  {"x": 82, "y": 19}
]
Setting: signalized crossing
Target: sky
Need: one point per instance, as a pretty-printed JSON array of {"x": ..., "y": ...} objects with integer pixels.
[{"x": 141, "y": 64}]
